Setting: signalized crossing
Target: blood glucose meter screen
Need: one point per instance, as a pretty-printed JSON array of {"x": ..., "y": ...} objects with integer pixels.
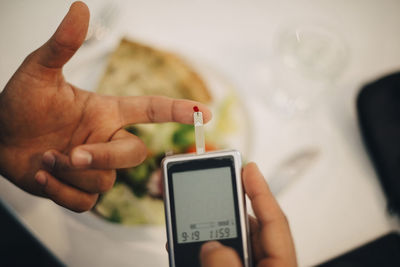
[{"x": 204, "y": 205}]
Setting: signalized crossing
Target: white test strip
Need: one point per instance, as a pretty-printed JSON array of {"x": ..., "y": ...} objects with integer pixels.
[{"x": 199, "y": 132}]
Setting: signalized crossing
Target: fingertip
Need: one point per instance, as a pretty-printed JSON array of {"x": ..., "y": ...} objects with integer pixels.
[
  {"x": 208, "y": 247},
  {"x": 81, "y": 7},
  {"x": 78, "y": 14},
  {"x": 49, "y": 159},
  {"x": 142, "y": 152},
  {"x": 207, "y": 114},
  {"x": 253, "y": 181},
  {"x": 213, "y": 253},
  {"x": 252, "y": 166},
  {"x": 41, "y": 178},
  {"x": 250, "y": 170},
  {"x": 79, "y": 4},
  {"x": 182, "y": 111}
]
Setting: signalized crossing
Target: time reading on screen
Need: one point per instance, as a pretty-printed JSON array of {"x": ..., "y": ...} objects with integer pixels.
[{"x": 219, "y": 233}]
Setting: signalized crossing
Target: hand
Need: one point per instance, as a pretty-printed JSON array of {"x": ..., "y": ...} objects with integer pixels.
[
  {"x": 64, "y": 143},
  {"x": 271, "y": 240}
]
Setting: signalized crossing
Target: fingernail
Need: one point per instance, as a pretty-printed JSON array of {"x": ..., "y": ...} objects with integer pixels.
[
  {"x": 40, "y": 178},
  {"x": 81, "y": 158},
  {"x": 210, "y": 246},
  {"x": 49, "y": 159}
]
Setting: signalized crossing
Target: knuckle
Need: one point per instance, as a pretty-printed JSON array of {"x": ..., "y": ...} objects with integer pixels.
[
  {"x": 106, "y": 159},
  {"x": 86, "y": 203},
  {"x": 284, "y": 218},
  {"x": 151, "y": 112},
  {"x": 105, "y": 181},
  {"x": 30, "y": 57}
]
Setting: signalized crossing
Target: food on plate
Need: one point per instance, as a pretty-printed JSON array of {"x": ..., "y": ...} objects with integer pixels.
[{"x": 137, "y": 69}]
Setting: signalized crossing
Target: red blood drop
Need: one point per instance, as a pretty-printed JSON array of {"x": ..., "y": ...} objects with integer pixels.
[{"x": 196, "y": 109}]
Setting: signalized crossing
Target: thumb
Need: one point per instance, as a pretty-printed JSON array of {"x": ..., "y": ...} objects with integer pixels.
[
  {"x": 68, "y": 37},
  {"x": 214, "y": 254}
]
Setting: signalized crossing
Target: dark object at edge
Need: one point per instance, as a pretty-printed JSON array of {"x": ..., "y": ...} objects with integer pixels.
[
  {"x": 18, "y": 247},
  {"x": 378, "y": 107},
  {"x": 382, "y": 252}
]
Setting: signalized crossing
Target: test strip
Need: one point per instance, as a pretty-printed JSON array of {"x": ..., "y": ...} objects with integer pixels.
[{"x": 198, "y": 130}]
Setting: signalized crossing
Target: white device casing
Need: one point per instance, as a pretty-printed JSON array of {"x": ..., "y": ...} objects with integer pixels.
[{"x": 243, "y": 218}]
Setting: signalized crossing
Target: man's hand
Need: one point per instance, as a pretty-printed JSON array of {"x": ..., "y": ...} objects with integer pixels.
[
  {"x": 271, "y": 240},
  {"x": 64, "y": 143}
]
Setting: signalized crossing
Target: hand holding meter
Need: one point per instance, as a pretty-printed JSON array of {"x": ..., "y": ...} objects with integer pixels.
[{"x": 204, "y": 201}]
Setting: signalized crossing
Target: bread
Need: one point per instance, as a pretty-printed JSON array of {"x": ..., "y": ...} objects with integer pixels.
[{"x": 135, "y": 69}]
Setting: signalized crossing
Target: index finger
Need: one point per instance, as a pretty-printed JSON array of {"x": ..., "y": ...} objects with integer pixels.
[
  {"x": 145, "y": 109},
  {"x": 275, "y": 236}
]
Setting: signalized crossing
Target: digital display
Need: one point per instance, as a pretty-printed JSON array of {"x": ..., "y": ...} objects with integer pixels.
[{"x": 204, "y": 205}]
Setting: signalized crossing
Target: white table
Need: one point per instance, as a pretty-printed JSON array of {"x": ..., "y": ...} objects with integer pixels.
[{"x": 336, "y": 206}]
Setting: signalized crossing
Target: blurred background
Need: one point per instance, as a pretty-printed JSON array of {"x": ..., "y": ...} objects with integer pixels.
[{"x": 296, "y": 68}]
